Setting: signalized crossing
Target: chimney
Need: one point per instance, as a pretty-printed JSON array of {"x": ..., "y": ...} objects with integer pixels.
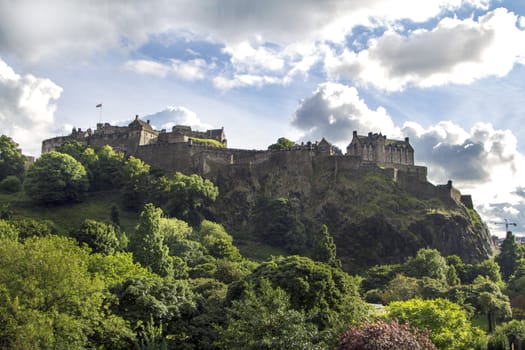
[
  {"x": 354, "y": 134},
  {"x": 406, "y": 140},
  {"x": 136, "y": 116},
  {"x": 148, "y": 121}
]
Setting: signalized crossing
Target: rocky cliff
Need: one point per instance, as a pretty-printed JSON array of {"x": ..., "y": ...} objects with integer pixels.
[{"x": 375, "y": 215}]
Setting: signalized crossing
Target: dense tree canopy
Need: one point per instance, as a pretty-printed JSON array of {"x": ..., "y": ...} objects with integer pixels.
[
  {"x": 264, "y": 319},
  {"x": 448, "y": 322},
  {"x": 11, "y": 158},
  {"x": 48, "y": 299},
  {"x": 56, "y": 178}
]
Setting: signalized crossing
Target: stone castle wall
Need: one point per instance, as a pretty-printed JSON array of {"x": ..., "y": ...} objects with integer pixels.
[{"x": 168, "y": 154}]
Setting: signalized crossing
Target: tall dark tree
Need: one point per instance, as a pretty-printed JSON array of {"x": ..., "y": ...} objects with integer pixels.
[
  {"x": 11, "y": 158},
  {"x": 148, "y": 246},
  {"x": 325, "y": 249},
  {"x": 509, "y": 256}
]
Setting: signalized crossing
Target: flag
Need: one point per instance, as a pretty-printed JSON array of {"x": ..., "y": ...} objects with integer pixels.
[{"x": 99, "y": 105}]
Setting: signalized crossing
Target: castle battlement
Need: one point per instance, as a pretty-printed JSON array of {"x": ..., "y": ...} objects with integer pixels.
[{"x": 186, "y": 150}]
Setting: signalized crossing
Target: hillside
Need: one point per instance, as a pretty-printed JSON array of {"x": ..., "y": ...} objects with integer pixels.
[{"x": 372, "y": 218}]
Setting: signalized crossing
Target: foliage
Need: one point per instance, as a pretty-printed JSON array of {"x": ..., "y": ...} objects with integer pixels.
[
  {"x": 106, "y": 168},
  {"x": 141, "y": 299},
  {"x": 277, "y": 224},
  {"x": 136, "y": 182},
  {"x": 30, "y": 227},
  {"x": 148, "y": 244},
  {"x": 11, "y": 158},
  {"x": 325, "y": 249},
  {"x": 217, "y": 241},
  {"x": 113, "y": 269},
  {"x": 427, "y": 263},
  {"x": 72, "y": 147},
  {"x": 282, "y": 144},
  {"x": 56, "y": 178},
  {"x": 100, "y": 237},
  {"x": 384, "y": 335},
  {"x": 507, "y": 335},
  {"x": 189, "y": 196},
  {"x": 264, "y": 319},
  {"x": 509, "y": 256},
  {"x": 48, "y": 299},
  {"x": 11, "y": 184},
  {"x": 7, "y": 230},
  {"x": 448, "y": 322},
  {"x": 401, "y": 288},
  {"x": 326, "y": 294}
]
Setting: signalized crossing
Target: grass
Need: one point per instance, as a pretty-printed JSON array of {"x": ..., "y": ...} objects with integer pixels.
[
  {"x": 208, "y": 142},
  {"x": 257, "y": 250},
  {"x": 96, "y": 206}
]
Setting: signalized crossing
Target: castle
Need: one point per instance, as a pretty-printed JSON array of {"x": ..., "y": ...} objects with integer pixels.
[{"x": 206, "y": 153}]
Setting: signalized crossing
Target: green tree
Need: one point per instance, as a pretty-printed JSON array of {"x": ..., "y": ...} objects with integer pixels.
[
  {"x": 401, "y": 288},
  {"x": 281, "y": 144},
  {"x": 277, "y": 224},
  {"x": 136, "y": 182},
  {"x": 510, "y": 335},
  {"x": 148, "y": 244},
  {"x": 10, "y": 184},
  {"x": 11, "y": 158},
  {"x": 427, "y": 263},
  {"x": 158, "y": 301},
  {"x": 448, "y": 322},
  {"x": 189, "y": 197},
  {"x": 325, "y": 249},
  {"x": 56, "y": 178},
  {"x": 217, "y": 241},
  {"x": 100, "y": 237},
  {"x": 72, "y": 147},
  {"x": 48, "y": 299},
  {"x": 508, "y": 256},
  {"x": 31, "y": 227},
  {"x": 382, "y": 335},
  {"x": 326, "y": 294},
  {"x": 264, "y": 319}
]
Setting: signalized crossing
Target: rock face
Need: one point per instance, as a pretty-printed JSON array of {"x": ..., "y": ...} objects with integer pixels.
[{"x": 375, "y": 215}]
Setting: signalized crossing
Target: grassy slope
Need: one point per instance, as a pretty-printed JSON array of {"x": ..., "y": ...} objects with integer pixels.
[{"x": 66, "y": 217}]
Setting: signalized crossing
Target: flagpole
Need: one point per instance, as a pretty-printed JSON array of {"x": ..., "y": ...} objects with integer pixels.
[{"x": 99, "y": 106}]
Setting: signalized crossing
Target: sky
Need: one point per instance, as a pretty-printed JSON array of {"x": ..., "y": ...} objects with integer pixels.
[{"x": 448, "y": 74}]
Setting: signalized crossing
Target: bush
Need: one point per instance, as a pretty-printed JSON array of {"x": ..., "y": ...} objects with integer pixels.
[
  {"x": 384, "y": 336},
  {"x": 56, "y": 178},
  {"x": 11, "y": 184}
]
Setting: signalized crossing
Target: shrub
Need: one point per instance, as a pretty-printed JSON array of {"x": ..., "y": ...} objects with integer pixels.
[
  {"x": 384, "y": 336},
  {"x": 11, "y": 184}
]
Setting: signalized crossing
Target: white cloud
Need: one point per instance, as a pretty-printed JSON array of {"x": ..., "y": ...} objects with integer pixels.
[
  {"x": 26, "y": 107},
  {"x": 176, "y": 115},
  {"x": 482, "y": 161},
  {"x": 455, "y": 51},
  {"x": 195, "y": 69},
  {"x": 244, "y": 80},
  {"x": 335, "y": 110}
]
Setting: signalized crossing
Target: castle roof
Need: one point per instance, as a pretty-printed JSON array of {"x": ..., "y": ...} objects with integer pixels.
[
  {"x": 216, "y": 133},
  {"x": 372, "y": 138},
  {"x": 138, "y": 123}
]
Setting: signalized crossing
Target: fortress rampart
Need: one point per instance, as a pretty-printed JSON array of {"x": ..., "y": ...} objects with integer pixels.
[{"x": 176, "y": 151}]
